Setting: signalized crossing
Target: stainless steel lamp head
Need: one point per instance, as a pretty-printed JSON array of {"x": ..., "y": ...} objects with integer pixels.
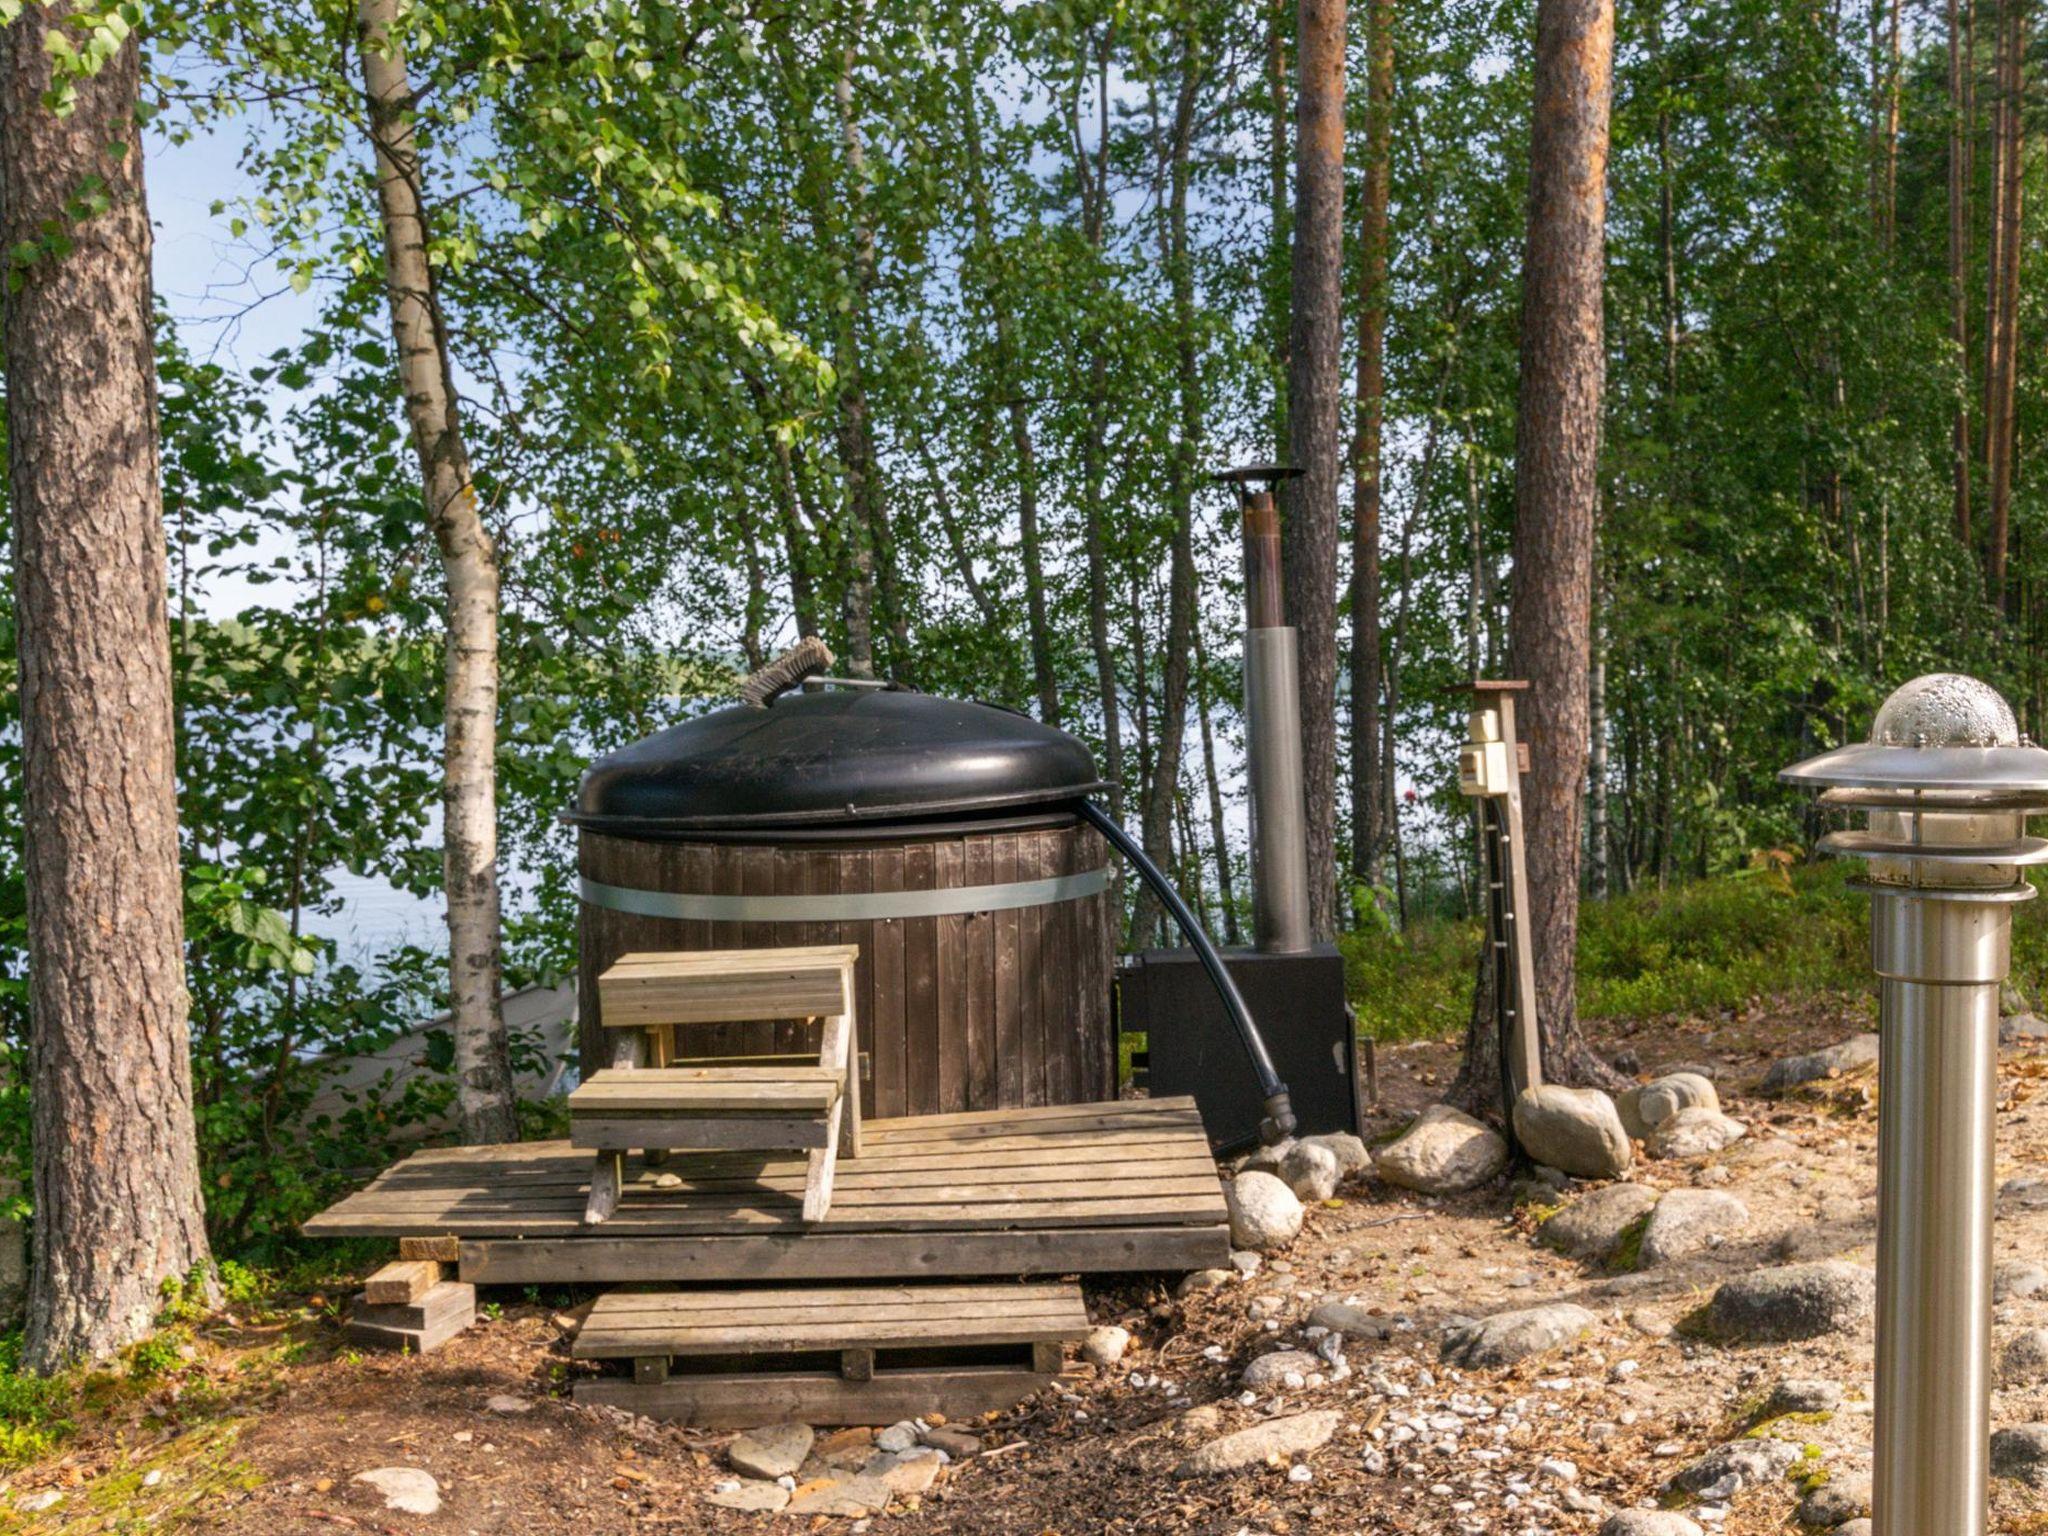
[{"x": 1947, "y": 782}]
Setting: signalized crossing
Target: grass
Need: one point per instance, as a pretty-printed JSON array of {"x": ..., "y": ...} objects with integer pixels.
[{"x": 1694, "y": 948}]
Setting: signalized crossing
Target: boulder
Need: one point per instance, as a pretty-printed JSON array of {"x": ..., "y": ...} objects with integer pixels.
[
  {"x": 1794, "y": 1301},
  {"x": 1346, "y": 1148},
  {"x": 409, "y": 1490},
  {"x": 2015, "y": 1027},
  {"x": 1272, "y": 1373},
  {"x": 1802, "y": 1394},
  {"x": 1696, "y": 1132},
  {"x": 1726, "y": 1470},
  {"x": 1645, "y": 1108},
  {"x": 1264, "y": 1213},
  {"x": 1311, "y": 1170},
  {"x": 1353, "y": 1322},
  {"x": 1444, "y": 1152},
  {"x": 1850, "y": 1055},
  {"x": 2021, "y": 1451},
  {"x": 1593, "y": 1225},
  {"x": 2024, "y": 1360},
  {"x": 1842, "y": 1498},
  {"x": 1861, "y": 1527},
  {"x": 1105, "y": 1346},
  {"x": 1649, "y": 1522},
  {"x": 1575, "y": 1130},
  {"x": 1295, "y": 1435},
  {"x": 2015, "y": 1278},
  {"x": 773, "y": 1451},
  {"x": 1506, "y": 1337},
  {"x": 1687, "y": 1221}
]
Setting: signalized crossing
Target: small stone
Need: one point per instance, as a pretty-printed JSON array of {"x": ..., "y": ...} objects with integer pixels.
[
  {"x": 1352, "y": 1322},
  {"x": 1795, "y": 1301},
  {"x": 2024, "y": 1194},
  {"x": 1271, "y": 1373},
  {"x": 1201, "y": 1423},
  {"x": 152, "y": 1477},
  {"x": 2024, "y": 1361},
  {"x": 856, "y": 1497},
  {"x": 1593, "y": 1225},
  {"x": 42, "y": 1499},
  {"x": 1507, "y": 1337},
  {"x": 1264, "y": 1213},
  {"x": 1644, "y": 1109},
  {"x": 1311, "y": 1171},
  {"x": 1802, "y": 1394},
  {"x": 1573, "y": 1129},
  {"x": 1105, "y": 1346},
  {"x": 2021, "y": 1451},
  {"x": 956, "y": 1443},
  {"x": 505, "y": 1402},
  {"x": 1861, "y": 1527},
  {"x": 1649, "y": 1324},
  {"x": 751, "y": 1495},
  {"x": 900, "y": 1436},
  {"x": 2016, "y": 1278},
  {"x": 776, "y": 1450},
  {"x": 1300, "y": 1473},
  {"x": 1686, "y": 1221},
  {"x": 1745, "y": 1463},
  {"x": 1444, "y": 1152},
  {"x": 1851, "y": 1055},
  {"x": 1840, "y": 1499},
  {"x": 1292, "y": 1436},
  {"x": 1696, "y": 1132},
  {"x": 409, "y": 1490},
  {"x": 1346, "y": 1148},
  {"x": 1203, "y": 1280},
  {"x": 908, "y": 1472},
  {"x": 846, "y": 1447},
  {"x": 1648, "y": 1522},
  {"x": 1246, "y": 1262},
  {"x": 667, "y": 1181}
]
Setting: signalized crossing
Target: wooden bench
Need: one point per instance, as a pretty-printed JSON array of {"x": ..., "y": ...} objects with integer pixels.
[
  {"x": 891, "y": 1352},
  {"x": 656, "y": 1098}
]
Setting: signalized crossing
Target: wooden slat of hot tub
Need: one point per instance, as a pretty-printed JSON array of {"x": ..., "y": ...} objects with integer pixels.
[{"x": 1140, "y": 1164}]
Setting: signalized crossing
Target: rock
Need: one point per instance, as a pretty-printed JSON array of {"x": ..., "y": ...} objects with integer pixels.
[
  {"x": 42, "y": 1499},
  {"x": 1644, "y": 1109},
  {"x": 2024, "y": 1194},
  {"x": 1199, "y": 1424},
  {"x": 505, "y": 1402},
  {"x": 1573, "y": 1129},
  {"x": 2015, "y": 1278},
  {"x": 1203, "y": 1280},
  {"x": 1311, "y": 1171},
  {"x": 1105, "y": 1346},
  {"x": 409, "y": 1490},
  {"x": 1346, "y": 1148},
  {"x": 1271, "y": 1373},
  {"x": 1745, "y": 1463},
  {"x": 1264, "y": 1213},
  {"x": 956, "y": 1443},
  {"x": 2021, "y": 1451},
  {"x": 1696, "y": 1132},
  {"x": 1850, "y": 1055},
  {"x": 1443, "y": 1152},
  {"x": 1592, "y": 1226},
  {"x": 1794, "y": 1301},
  {"x": 1800, "y": 1394},
  {"x": 1837, "y": 1501},
  {"x": 1708, "y": 1175},
  {"x": 2024, "y": 1361},
  {"x": 1648, "y": 1522},
  {"x": 1352, "y": 1322},
  {"x": 1295, "y": 1435},
  {"x": 1855, "y": 1528},
  {"x": 855, "y": 1497},
  {"x": 1507, "y": 1337},
  {"x": 846, "y": 1447},
  {"x": 1245, "y": 1262},
  {"x": 906, "y": 1472},
  {"x": 752, "y": 1496},
  {"x": 1689, "y": 1220},
  {"x": 776, "y": 1450},
  {"x": 900, "y": 1436},
  {"x": 2016, "y": 1027}
]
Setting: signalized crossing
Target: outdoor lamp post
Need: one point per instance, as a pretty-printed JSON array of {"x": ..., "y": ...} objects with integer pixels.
[{"x": 1947, "y": 782}]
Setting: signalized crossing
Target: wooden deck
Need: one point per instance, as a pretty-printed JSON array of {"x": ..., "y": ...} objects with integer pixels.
[{"x": 1059, "y": 1190}]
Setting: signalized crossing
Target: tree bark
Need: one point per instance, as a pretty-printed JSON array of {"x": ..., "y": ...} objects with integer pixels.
[
  {"x": 1368, "y": 791},
  {"x": 469, "y": 561},
  {"x": 1280, "y": 233},
  {"x": 864, "y": 533},
  {"x": 1557, "y": 487},
  {"x": 118, "y": 1209},
  {"x": 1094, "y": 453},
  {"x": 2001, "y": 381},
  {"x": 1309, "y": 504},
  {"x": 1958, "y": 268},
  {"x": 1218, "y": 834}
]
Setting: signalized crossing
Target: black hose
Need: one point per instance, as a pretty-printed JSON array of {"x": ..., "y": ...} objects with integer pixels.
[{"x": 1279, "y": 1122}]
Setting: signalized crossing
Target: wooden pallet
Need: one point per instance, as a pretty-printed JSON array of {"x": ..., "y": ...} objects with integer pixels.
[{"x": 876, "y": 1353}]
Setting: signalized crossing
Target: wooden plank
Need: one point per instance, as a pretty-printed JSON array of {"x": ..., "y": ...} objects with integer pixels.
[
  {"x": 817, "y": 1397},
  {"x": 686, "y": 961},
  {"x": 825, "y": 1254},
  {"x": 979, "y": 942},
  {"x": 792, "y": 1338},
  {"x": 403, "y": 1282},
  {"x": 450, "y": 1298},
  {"x": 445, "y": 1249},
  {"x": 1009, "y": 962},
  {"x": 923, "y": 1044},
  {"x": 995, "y": 1321},
  {"x": 410, "y": 1341},
  {"x": 887, "y": 1028},
  {"x": 606, "y": 1175},
  {"x": 698, "y": 1090},
  {"x": 857, "y": 1364},
  {"x": 622, "y": 1133},
  {"x": 642, "y": 998},
  {"x": 782, "y": 1299},
  {"x": 650, "y": 1370}
]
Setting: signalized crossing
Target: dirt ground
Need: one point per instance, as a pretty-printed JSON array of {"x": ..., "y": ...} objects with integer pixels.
[{"x": 263, "y": 1431}]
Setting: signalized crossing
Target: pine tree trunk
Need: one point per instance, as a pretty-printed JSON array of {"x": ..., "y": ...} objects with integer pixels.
[
  {"x": 864, "y": 534},
  {"x": 1368, "y": 792},
  {"x": 2006, "y": 291},
  {"x": 1094, "y": 460},
  {"x": 1279, "y": 217},
  {"x": 118, "y": 1208},
  {"x": 1596, "y": 769},
  {"x": 469, "y": 561},
  {"x": 1557, "y": 487},
  {"x": 1218, "y": 835},
  {"x": 1958, "y": 268},
  {"x": 1309, "y": 504}
]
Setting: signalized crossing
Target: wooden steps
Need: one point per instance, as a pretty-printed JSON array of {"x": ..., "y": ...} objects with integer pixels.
[
  {"x": 414, "y": 1327},
  {"x": 828, "y": 1355}
]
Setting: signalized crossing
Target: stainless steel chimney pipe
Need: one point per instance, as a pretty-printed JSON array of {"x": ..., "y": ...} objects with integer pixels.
[
  {"x": 1947, "y": 782},
  {"x": 1272, "y": 708}
]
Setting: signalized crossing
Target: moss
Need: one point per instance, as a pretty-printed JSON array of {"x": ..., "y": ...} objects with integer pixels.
[{"x": 1627, "y": 1256}]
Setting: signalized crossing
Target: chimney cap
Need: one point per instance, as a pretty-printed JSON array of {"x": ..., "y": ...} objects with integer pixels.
[{"x": 1249, "y": 477}]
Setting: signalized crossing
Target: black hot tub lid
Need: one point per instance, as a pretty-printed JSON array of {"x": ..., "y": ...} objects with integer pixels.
[{"x": 846, "y": 757}]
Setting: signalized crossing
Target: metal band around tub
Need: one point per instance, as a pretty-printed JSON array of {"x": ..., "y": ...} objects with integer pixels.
[{"x": 849, "y": 906}]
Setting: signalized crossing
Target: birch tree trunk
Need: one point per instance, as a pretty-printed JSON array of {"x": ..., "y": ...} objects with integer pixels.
[
  {"x": 118, "y": 1208},
  {"x": 1958, "y": 268},
  {"x": 469, "y": 561},
  {"x": 1218, "y": 834},
  {"x": 2002, "y": 385},
  {"x": 1094, "y": 452},
  {"x": 864, "y": 534},
  {"x": 1309, "y": 504},
  {"x": 1556, "y": 487}
]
